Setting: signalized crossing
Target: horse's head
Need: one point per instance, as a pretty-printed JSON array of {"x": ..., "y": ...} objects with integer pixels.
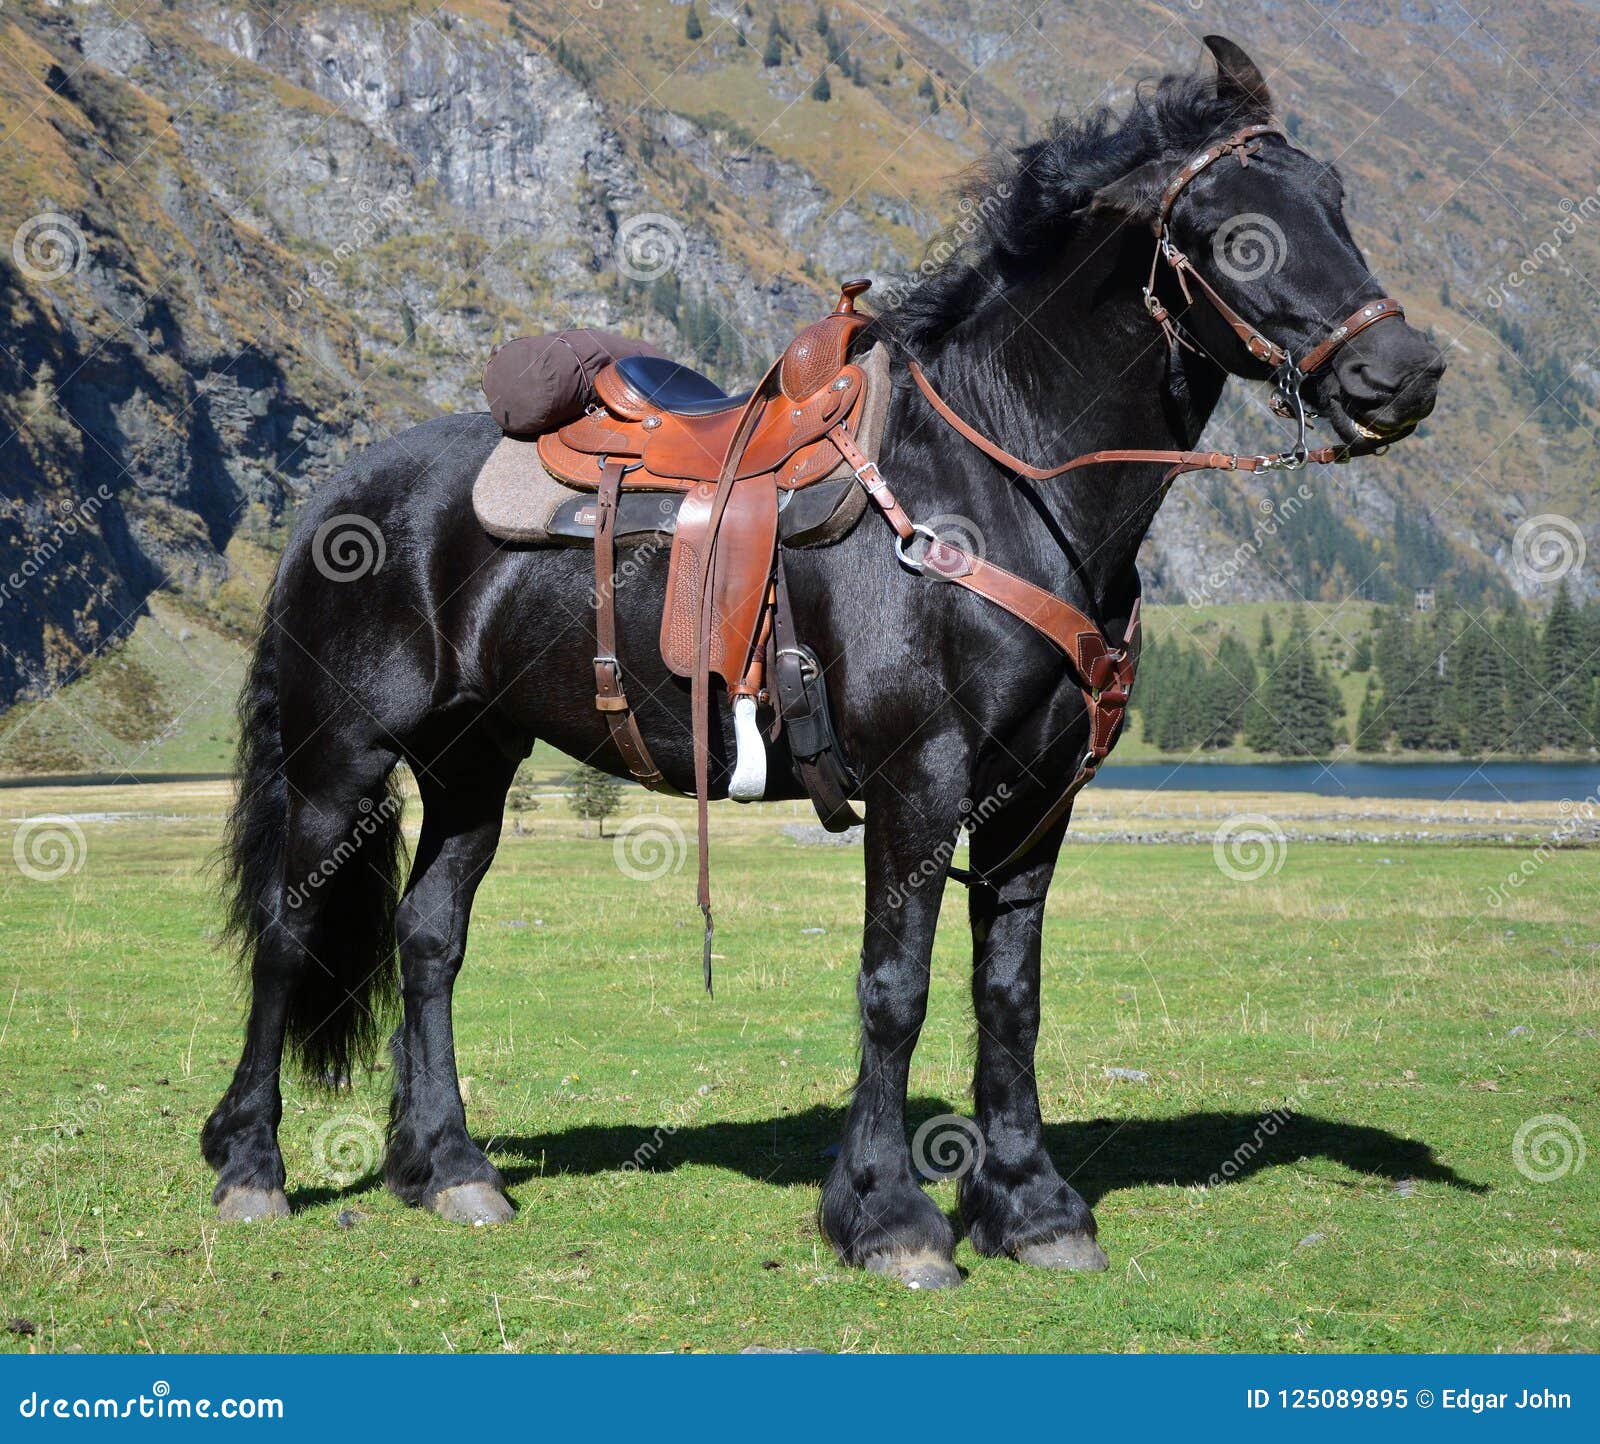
[{"x": 1260, "y": 225}]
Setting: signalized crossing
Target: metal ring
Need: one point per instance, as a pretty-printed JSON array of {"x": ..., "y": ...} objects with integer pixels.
[{"x": 927, "y": 533}]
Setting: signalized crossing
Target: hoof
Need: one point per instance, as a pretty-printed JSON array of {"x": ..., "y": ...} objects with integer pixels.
[
  {"x": 1075, "y": 1251},
  {"x": 246, "y": 1205},
  {"x": 916, "y": 1270},
  {"x": 479, "y": 1204}
]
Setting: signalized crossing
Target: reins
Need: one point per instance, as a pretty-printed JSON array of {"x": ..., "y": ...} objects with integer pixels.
[{"x": 1105, "y": 671}]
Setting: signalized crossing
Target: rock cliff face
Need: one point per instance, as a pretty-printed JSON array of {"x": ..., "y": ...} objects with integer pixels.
[{"x": 243, "y": 239}]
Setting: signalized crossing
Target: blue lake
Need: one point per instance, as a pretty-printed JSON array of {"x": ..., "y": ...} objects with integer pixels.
[{"x": 1437, "y": 781}]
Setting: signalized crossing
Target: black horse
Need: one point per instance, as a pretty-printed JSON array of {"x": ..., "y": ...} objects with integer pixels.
[{"x": 459, "y": 652}]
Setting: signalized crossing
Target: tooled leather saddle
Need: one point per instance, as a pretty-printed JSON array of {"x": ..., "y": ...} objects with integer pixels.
[{"x": 661, "y": 427}]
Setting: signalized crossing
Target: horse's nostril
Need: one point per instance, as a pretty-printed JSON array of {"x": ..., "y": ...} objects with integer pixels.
[{"x": 1377, "y": 377}]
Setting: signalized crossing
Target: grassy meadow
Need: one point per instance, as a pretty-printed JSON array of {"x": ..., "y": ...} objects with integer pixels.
[{"x": 1396, "y": 1032}]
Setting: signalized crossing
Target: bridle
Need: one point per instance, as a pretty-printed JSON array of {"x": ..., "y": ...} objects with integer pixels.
[
  {"x": 1288, "y": 375},
  {"x": 1104, "y": 669}
]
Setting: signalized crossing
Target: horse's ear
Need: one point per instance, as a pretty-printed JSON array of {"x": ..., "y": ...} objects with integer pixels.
[
  {"x": 1240, "y": 84},
  {"x": 1137, "y": 195}
]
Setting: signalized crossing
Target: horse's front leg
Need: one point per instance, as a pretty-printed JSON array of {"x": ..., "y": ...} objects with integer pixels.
[
  {"x": 1014, "y": 1202},
  {"x": 873, "y": 1210}
]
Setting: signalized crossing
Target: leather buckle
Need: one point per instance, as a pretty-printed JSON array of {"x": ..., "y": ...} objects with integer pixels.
[{"x": 870, "y": 477}]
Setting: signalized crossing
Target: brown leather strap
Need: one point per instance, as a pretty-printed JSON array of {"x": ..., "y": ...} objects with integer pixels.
[
  {"x": 700, "y": 683},
  {"x": 1348, "y": 329},
  {"x": 609, "y": 696},
  {"x": 1243, "y": 143},
  {"x": 1269, "y": 353},
  {"x": 1105, "y": 673},
  {"x": 1179, "y": 461},
  {"x": 1090, "y": 767},
  {"x": 1264, "y": 350}
]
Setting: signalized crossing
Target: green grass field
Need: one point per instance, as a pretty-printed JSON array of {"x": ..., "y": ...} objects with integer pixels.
[{"x": 665, "y": 1150}]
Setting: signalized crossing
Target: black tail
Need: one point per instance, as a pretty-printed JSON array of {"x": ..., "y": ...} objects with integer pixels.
[{"x": 337, "y": 1000}]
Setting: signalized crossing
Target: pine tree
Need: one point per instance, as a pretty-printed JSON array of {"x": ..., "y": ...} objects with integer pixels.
[
  {"x": 1438, "y": 730},
  {"x": 1561, "y": 704},
  {"x": 1266, "y": 642},
  {"x": 820, "y": 89},
  {"x": 1466, "y": 692},
  {"x": 1299, "y": 698},
  {"x": 523, "y": 795},
  {"x": 1181, "y": 732},
  {"x": 691, "y": 25},
  {"x": 1476, "y": 704},
  {"x": 594, "y": 796},
  {"x": 1361, "y": 656},
  {"x": 1372, "y": 731},
  {"x": 1148, "y": 692},
  {"x": 1404, "y": 674},
  {"x": 1214, "y": 701},
  {"x": 772, "y": 55},
  {"x": 1491, "y": 727},
  {"x": 822, "y": 22},
  {"x": 1236, "y": 670},
  {"x": 1518, "y": 649},
  {"x": 1258, "y": 729}
]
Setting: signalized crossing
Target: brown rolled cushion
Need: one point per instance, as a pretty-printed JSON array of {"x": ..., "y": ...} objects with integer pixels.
[{"x": 537, "y": 383}]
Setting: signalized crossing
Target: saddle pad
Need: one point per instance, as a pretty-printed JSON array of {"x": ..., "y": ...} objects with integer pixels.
[{"x": 516, "y": 499}]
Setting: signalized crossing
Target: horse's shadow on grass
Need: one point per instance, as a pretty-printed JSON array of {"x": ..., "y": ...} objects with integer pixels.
[{"x": 1097, "y": 1157}]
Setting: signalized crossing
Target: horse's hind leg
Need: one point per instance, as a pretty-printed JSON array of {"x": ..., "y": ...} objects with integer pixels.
[
  {"x": 431, "y": 1159},
  {"x": 315, "y": 839},
  {"x": 1014, "y": 1202}
]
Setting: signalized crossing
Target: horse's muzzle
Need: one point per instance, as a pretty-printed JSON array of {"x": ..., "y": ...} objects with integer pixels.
[{"x": 1388, "y": 381}]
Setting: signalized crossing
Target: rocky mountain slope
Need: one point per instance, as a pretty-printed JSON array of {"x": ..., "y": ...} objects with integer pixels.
[{"x": 242, "y": 239}]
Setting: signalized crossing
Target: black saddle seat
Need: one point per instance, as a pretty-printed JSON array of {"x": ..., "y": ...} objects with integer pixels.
[{"x": 675, "y": 388}]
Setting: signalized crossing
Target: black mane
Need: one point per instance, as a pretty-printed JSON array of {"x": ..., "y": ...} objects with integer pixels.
[{"x": 1043, "y": 188}]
